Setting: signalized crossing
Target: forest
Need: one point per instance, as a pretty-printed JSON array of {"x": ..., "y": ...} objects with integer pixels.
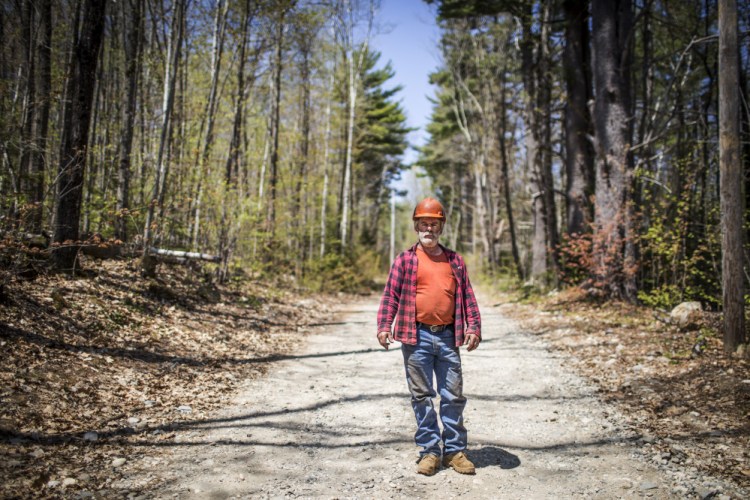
[
  {"x": 597, "y": 144},
  {"x": 200, "y": 200}
]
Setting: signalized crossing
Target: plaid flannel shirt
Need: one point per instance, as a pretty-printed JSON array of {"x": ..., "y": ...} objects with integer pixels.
[{"x": 399, "y": 301}]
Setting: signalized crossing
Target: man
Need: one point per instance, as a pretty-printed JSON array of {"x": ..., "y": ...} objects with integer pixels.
[{"x": 429, "y": 296}]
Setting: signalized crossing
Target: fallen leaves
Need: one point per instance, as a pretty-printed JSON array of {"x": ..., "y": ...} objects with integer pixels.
[
  {"x": 93, "y": 369},
  {"x": 696, "y": 397}
]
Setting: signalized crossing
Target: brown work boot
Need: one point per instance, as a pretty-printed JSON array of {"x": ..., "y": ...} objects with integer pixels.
[
  {"x": 428, "y": 464},
  {"x": 460, "y": 463}
]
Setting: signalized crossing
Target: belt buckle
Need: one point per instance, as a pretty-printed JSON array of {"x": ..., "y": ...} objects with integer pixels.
[{"x": 435, "y": 328}]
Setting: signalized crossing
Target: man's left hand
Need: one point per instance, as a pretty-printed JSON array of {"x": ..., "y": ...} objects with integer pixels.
[{"x": 471, "y": 341}]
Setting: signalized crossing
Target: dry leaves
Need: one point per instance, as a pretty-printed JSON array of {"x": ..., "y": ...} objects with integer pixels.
[
  {"x": 92, "y": 370},
  {"x": 678, "y": 388}
]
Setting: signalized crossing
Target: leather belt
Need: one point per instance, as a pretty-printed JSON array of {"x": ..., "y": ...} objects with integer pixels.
[{"x": 433, "y": 328}]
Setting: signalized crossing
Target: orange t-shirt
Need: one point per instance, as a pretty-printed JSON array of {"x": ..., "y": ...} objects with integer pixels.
[{"x": 436, "y": 289}]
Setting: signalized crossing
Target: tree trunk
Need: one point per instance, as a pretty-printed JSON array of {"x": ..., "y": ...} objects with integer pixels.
[
  {"x": 202, "y": 168},
  {"x": 40, "y": 156},
  {"x": 547, "y": 182},
  {"x": 346, "y": 187},
  {"x": 579, "y": 162},
  {"x": 74, "y": 142},
  {"x": 274, "y": 174},
  {"x": 481, "y": 206},
  {"x": 227, "y": 240},
  {"x": 347, "y": 26},
  {"x": 530, "y": 72},
  {"x": 326, "y": 153},
  {"x": 233, "y": 158},
  {"x": 615, "y": 268},
  {"x": 170, "y": 79},
  {"x": 539, "y": 240},
  {"x": 505, "y": 171},
  {"x": 132, "y": 43},
  {"x": 300, "y": 209},
  {"x": 28, "y": 17},
  {"x": 216, "y": 56},
  {"x": 732, "y": 202}
]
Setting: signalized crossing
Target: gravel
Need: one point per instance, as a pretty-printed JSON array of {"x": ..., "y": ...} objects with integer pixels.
[{"x": 335, "y": 421}]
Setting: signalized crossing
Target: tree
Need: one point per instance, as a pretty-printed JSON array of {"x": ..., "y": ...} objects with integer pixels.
[
  {"x": 578, "y": 152},
  {"x": 42, "y": 92},
  {"x": 132, "y": 22},
  {"x": 380, "y": 141},
  {"x": 217, "y": 52},
  {"x": 348, "y": 12},
  {"x": 732, "y": 202},
  {"x": 613, "y": 229},
  {"x": 162, "y": 169},
  {"x": 77, "y": 115},
  {"x": 537, "y": 117},
  {"x": 276, "y": 117}
]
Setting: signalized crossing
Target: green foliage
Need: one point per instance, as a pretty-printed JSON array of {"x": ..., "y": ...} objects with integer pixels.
[
  {"x": 457, "y": 9},
  {"x": 663, "y": 297},
  {"x": 353, "y": 272},
  {"x": 680, "y": 251},
  {"x": 502, "y": 279},
  {"x": 381, "y": 128}
]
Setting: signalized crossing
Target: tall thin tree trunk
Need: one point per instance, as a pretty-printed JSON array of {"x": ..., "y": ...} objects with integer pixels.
[
  {"x": 326, "y": 143},
  {"x": 351, "y": 105},
  {"x": 547, "y": 180},
  {"x": 273, "y": 181},
  {"x": 300, "y": 209},
  {"x": 73, "y": 150},
  {"x": 132, "y": 44},
  {"x": 232, "y": 164},
  {"x": 170, "y": 79},
  {"x": 732, "y": 209},
  {"x": 226, "y": 241},
  {"x": 203, "y": 169},
  {"x": 579, "y": 161},
  {"x": 40, "y": 156},
  {"x": 28, "y": 22},
  {"x": 348, "y": 22},
  {"x": 530, "y": 72},
  {"x": 505, "y": 171},
  {"x": 480, "y": 205}
]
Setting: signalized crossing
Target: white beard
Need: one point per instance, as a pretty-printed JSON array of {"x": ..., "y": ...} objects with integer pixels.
[{"x": 426, "y": 241}]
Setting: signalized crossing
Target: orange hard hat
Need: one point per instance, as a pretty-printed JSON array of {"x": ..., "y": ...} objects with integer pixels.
[{"x": 429, "y": 207}]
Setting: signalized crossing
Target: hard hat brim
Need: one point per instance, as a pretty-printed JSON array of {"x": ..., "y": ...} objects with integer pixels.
[{"x": 432, "y": 215}]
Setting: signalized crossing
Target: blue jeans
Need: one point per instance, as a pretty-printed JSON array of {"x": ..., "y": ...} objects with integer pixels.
[{"x": 435, "y": 353}]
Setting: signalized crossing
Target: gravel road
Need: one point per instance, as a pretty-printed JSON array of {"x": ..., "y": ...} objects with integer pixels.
[{"x": 334, "y": 421}]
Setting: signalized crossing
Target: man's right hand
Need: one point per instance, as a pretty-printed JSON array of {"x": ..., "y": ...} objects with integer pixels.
[{"x": 385, "y": 339}]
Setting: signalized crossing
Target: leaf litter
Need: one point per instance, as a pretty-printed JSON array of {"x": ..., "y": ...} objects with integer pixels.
[
  {"x": 687, "y": 399},
  {"x": 97, "y": 372}
]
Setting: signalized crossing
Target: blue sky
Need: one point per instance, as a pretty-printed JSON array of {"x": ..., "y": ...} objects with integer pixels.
[{"x": 408, "y": 38}]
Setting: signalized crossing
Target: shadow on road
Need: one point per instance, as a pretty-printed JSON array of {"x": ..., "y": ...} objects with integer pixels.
[
  {"x": 148, "y": 356},
  {"x": 487, "y": 456}
]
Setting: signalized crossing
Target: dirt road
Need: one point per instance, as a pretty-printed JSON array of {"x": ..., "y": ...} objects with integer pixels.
[{"x": 334, "y": 421}]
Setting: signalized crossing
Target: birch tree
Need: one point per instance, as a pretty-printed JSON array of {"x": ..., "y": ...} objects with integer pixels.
[
  {"x": 170, "y": 79},
  {"x": 349, "y": 19},
  {"x": 209, "y": 117}
]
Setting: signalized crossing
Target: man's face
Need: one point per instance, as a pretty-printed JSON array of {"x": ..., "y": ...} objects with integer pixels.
[{"x": 429, "y": 230}]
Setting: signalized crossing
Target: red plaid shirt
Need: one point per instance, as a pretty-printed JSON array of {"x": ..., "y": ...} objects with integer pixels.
[{"x": 399, "y": 301}]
